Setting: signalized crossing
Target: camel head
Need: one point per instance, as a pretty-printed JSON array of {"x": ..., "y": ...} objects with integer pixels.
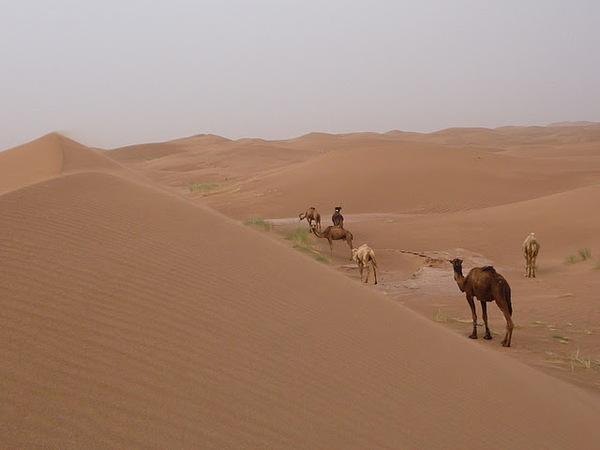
[
  {"x": 302, "y": 215},
  {"x": 338, "y": 208},
  {"x": 456, "y": 264}
]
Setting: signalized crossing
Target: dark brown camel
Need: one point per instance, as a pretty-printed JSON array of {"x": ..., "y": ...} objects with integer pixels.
[
  {"x": 486, "y": 285},
  {"x": 333, "y": 233},
  {"x": 337, "y": 218},
  {"x": 311, "y": 215}
]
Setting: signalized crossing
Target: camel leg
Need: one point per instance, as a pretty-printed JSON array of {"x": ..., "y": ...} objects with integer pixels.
[
  {"x": 360, "y": 270},
  {"x": 368, "y": 273},
  {"x": 330, "y": 247},
  {"x": 488, "y": 334},
  {"x": 473, "y": 335},
  {"x": 529, "y": 265},
  {"x": 349, "y": 245},
  {"x": 509, "y": 325},
  {"x": 375, "y": 273}
]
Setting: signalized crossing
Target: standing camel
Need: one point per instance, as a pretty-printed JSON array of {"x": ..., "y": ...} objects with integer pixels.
[
  {"x": 364, "y": 255},
  {"x": 531, "y": 248},
  {"x": 311, "y": 215},
  {"x": 486, "y": 285},
  {"x": 333, "y": 233},
  {"x": 337, "y": 218}
]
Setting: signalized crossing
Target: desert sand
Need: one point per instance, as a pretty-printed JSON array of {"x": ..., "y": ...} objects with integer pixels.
[{"x": 141, "y": 308}]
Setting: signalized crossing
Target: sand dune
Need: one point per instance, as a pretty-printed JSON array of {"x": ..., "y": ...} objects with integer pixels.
[
  {"x": 137, "y": 318},
  {"x": 30, "y": 163},
  {"x": 404, "y": 177}
]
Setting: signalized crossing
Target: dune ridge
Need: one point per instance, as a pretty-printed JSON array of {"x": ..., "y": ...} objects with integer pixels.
[{"x": 135, "y": 318}]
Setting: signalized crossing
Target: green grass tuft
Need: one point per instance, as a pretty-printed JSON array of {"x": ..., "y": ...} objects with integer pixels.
[
  {"x": 203, "y": 187},
  {"x": 260, "y": 223},
  {"x": 301, "y": 240}
]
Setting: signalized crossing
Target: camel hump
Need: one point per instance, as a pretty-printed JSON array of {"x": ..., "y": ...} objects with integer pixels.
[{"x": 488, "y": 269}]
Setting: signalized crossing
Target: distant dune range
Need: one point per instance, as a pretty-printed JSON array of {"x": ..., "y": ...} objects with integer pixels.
[{"x": 139, "y": 314}]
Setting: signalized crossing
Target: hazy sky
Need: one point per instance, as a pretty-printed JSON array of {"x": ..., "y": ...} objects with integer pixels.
[{"x": 117, "y": 72}]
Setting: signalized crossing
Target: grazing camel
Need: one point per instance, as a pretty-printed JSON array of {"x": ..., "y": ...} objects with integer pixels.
[
  {"x": 531, "y": 248},
  {"x": 363, "y": 255},
  {"x": 487, "y": 285},
  {"x": 332, "y": 233},
  {"x": 311, "y": 215},
  {"x": 337, "y": 218}
]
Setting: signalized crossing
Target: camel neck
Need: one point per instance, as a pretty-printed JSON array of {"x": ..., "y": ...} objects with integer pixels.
[{"x": 460, "y": 279}]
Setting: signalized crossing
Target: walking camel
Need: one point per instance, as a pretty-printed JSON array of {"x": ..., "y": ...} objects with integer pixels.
[
  {"x": 364, "y": 255},
  {"x": 531, "y": 248},
  {"x": 487, "y": 285},
  {"x": 333, "y": 233},
  {"x": 337, "y": 218},
  {"x": 311, "y": 215}
]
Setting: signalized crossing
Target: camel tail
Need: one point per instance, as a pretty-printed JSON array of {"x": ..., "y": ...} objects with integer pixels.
[{"x": 507, "y": 295}]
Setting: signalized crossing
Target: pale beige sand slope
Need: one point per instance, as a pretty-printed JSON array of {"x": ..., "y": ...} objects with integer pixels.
[
  {"x": 30, "y": 163},
  {"x": 47, "y": 157},
  {"x": 134, "y": 319}
]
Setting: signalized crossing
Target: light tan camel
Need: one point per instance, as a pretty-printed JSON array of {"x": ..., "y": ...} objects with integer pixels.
[
  {"x": 486, "y": 285},
  {"x": 363, "y": 255},
  {"x": 337, "y": 218},
  {"x": 311, "y": 215},
  {"x": 531, "y": 248},
  {"x": 333, "y": 233}
]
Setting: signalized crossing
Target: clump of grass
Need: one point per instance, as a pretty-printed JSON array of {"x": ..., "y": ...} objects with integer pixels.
[
  {"x": 575, "y": 360},
  {"x": 259, "y": 223},
  {"x": 322, "y": 258},
  {"x": 441, "y": 317},
  {"x": 583, "y": 254},
  {"x": 203, "y": 187},
  {"x": 300, "y": 238}
]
